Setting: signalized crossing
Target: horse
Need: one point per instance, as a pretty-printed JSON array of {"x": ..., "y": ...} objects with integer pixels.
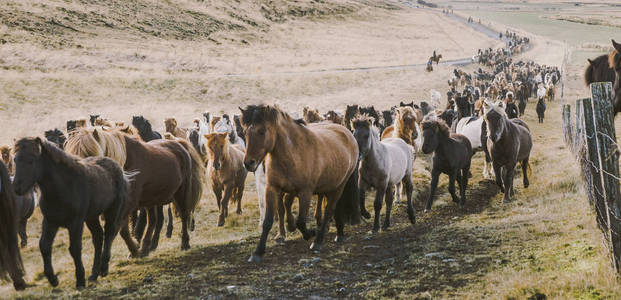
[
  {"x": 74, "y": 124},
  {"x": 541, "y": 109},
  {"x": 599, "y": 70},
  {"x": 7, "y": 159},
  {"x": 462, "y": 104},
  {"x": 436, "y": 58},
  {"x": 383, "y": 164},
  {"x": 195, "y": 138},
  {"x": 509, "y": 141},
  {"x": 471, "y": 128},
  {"x": 226, "y": 172},
  {"x": 521, "y": 104},
  {"x": 387, "y": 119},
  {"x": 452, "y": 154},
  {"x": 350, "y": 113},
  {"x": 333, "y": 117},
  {"x": 56, "y": 136},
  {"x": 238, "y": 127},
  {"x": 97, "y": 120},
  {"x": 171, "y": 127},
  {"x": 406, "y": 128},
  {"x": 311, "y": 115},
  {"x": 301, "y": 161},
  {"x": 167, "y": 171},
  {"x": 10, "y": 257},
  {"x": 147, "y": 134},
  {"x": 614, "y": 59},
  {"x": 74, "y": 191},
  {"x": 372, "y": 112},
  {"x": 224, "y": 124}
]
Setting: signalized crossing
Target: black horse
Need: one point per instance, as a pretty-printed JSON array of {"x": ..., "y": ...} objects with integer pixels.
[
  {"x": 541, "y": 109},
  {"x": 57, "y": 137},
  {"x": 73, "y": 191},
  {"x": 452, "y": 155}
]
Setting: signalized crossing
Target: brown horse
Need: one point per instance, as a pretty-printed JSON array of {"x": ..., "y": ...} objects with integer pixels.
[
  {"x": 311, "y": 115},
  {"x": 301, "y": 161},
  {"x": 10, "y": 257},
  {"x": 436, "y": 59},
  {"x": 7, "y": 159},
  {"x": 599, "y": 70},
  {"x": 171, "y": 127},
  {"x": 334, "y": 117},
  {"x": 167, "y": 171},
  {"x": 614, "y": 60},
  {"x": 226, "y": 172}
]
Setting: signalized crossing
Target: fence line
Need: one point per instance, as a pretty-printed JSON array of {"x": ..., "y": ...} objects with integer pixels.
[{"x": 592, "y": 139}]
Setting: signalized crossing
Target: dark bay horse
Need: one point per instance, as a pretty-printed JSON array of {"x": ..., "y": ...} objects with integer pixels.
[
  {"x": 10, "y": 257},
  {"x": 74, "y": 191},
  {"x": 57, "y": 137},
  {"x": 452, "y": 154},
  {"x": 508, "y": 142},
  {"x": 614, "y": 60},
  {"x": 301, "y": 161}
]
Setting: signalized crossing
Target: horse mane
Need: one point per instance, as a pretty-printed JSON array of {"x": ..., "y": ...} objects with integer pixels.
[
  {"x": 614, "y": 59},
  {"x": 259, "y": 114},
  {"x": 98, "y": 142},
  {"x": 57, "y": 155},
  {"x": 366, "y": 121},
  {"x": 402, "y": 130},
  {"x": 432, "y": 119}
]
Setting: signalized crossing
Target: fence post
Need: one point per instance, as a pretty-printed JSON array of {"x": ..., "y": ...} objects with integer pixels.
[
  {"x": 567, "y": 126},
  {"x": 608, "y": 162},
  {"x": 594, "y": 181}
]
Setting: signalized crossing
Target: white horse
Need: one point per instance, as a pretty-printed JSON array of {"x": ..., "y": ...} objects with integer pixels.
[
  {"x": 471, "y": 127},
  {"x": 434, "y": 99}
]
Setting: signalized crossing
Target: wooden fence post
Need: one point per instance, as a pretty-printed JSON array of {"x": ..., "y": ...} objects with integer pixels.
[
  {"x": 567, "y": 126},
  {"x": 608, "y": 162}
]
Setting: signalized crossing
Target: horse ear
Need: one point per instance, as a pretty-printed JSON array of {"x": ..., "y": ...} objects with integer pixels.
[
  {"x": 241, "y": 110},
  {"x": 617, "y": 46}
]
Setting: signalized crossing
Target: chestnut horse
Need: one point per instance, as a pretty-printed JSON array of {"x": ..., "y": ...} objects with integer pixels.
[
  {"x": 171, "y": 127},
  {"x": 301, "y": 161},
  {"x": 226, "y": 172},
  {"x": 10, "y": 257}
]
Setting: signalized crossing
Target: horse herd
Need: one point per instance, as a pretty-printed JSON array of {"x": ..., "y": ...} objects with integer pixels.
[{"x": 129, "y": 173}]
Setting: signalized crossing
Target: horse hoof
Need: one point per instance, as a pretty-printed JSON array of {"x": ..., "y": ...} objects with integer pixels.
[
  {"x": 309, "y": 234},
  {"x": 316, "y": 248},
  {"x": 339, "y": 239},
  {"x": 254, "y": 258},
  {"x": 291, "y": 227},
  {"x": 366, "y": 214},
  {"x": 279, "y": 239},
  {"x": 24, "y": 244},
  {"x": 505, "y": 201},
  {"x": 413, "y": 220},
  {"x": 239, "y": 212},
  {"x": 220, "y": 224},
  {"x": 92, "y": 278},
  {"x": 168, "y": 234},
  {"x": 185, "y": 247},
  {"x": 53, "y": 280},
  {"x": 19, "y": 285},
  {"x": 427, "y": 210},
  {"x": 385, "y": 227},
  {"x": 80, "y": 287}
]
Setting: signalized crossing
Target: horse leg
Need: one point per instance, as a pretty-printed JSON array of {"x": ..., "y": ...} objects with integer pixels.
[
  {"x": 498, "y": 174},
  {"x": 186, "y": 216},
  {"x": 75, "y": 248},
  {"x": 224, "y": 208},
  {"x": 452, "y": 177},
  {"x": 132, "y": 246},
  {"x": 388, "y": 197},
  {"x": 22, "y": 232},
  {"x": 48, "y": 232},
  {"x": 377, "y": 206},
  {"x": 239, "y": 195},
  {"x": 525, "y": 173},
  {"x": 142, "y": 223},
  {"x": 409, "y": 188},
  {"x": 304, "y": 206},
  {"x": 148, "y": 236},
  {"x": 158, "y": 226},
  {"x": 217, "y": 190},
  {"x": 271, "y": 196},
  {"x": 169, "y": 228},
  {"x": 508, "y": 182},
  {"x": 463, "y": 184},
  {"x": 290, "y": 219},
  {"x": 97, "y": 235},
  {"x": 432, "y": 188},
  {"x": 328, "y": 213},
  {"x": 281, "y": 220},
  {"x": 363, "y": 209},
  {"x": 318, "y": 210},
  {"x": 397, "y": 193}
]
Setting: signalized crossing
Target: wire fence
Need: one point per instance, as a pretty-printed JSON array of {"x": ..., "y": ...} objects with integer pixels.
[{"x": 592, "y": 139}]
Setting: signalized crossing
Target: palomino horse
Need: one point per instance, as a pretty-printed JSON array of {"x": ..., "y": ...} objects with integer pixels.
[
  {"x": 174, "y": 129},
  {"x": 10, "y": 257},
  {"x": 471, "y": 128},
  {"x": 226, "y": 172},
  {"x": 57, "y": 137},
  {"x": 383, "y": 164},
  {"x": 302, "y": 161},
  {"x": 509, "y": 142},
  {"x": 73, "y": 191},
  {"x": 167, "y": 171},
  {"x": 452, "y": 154},
  {"x": 406, "y": 128}
]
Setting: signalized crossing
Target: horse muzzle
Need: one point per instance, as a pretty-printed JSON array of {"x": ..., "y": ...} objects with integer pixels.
[{"x": 251, "y": 165}]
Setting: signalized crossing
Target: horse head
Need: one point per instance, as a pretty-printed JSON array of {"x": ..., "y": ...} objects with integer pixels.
[
  {"x": 217, "y": 148},
  {"x": 495, "y": 119},
  {"x": 28, "y": 167},
  {"x": 261, "y": 125},
  {"x": 364, "y": 133}
]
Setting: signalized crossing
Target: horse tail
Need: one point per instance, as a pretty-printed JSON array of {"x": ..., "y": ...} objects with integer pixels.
[
  {"x": 10, "y": 257},
  {"x": 348, "y": 205},
  {"x": 197, "y": 178}
]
